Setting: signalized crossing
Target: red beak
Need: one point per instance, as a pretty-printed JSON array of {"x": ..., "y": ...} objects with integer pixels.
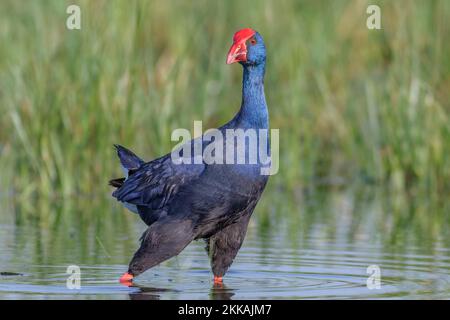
[{"x": 238, "y": 52}]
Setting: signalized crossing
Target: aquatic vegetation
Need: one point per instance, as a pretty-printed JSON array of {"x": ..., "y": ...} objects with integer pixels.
[{"x": 351, "y": 104}]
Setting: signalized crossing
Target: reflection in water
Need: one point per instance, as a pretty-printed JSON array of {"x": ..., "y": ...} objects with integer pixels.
[
  {"x": 146, "y": 293},
  {"x": 316, "y": 245},
  {"x": 220, "y": 291},
  {"x": 217, "y": 292}
]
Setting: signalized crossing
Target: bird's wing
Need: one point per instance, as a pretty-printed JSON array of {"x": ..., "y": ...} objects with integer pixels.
[{"x": 154, "y": 183}]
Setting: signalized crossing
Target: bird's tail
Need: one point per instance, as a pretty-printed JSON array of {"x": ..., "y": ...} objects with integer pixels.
[
  {"x": 128, "y": 159},
  {"x": 117, "y": 183}
]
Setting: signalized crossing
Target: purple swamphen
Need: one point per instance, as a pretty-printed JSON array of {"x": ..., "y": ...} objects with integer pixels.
[{"x": 184, "y": 202}]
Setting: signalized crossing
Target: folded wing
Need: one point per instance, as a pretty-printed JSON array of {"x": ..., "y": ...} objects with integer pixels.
[{"x": 154, "y": 183}]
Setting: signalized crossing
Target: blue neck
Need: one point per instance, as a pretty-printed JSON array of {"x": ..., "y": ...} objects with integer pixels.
[{"x": 253, "y": 112}]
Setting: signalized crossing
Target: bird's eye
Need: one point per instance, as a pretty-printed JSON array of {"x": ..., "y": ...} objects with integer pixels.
[{"x": 253, "y": 41}]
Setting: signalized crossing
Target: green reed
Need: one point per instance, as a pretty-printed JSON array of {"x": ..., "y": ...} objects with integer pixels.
[{"x": 351, "y": 104}]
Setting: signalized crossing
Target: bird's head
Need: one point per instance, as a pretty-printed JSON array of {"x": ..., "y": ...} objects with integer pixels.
[{"x": 247, "y": 49}]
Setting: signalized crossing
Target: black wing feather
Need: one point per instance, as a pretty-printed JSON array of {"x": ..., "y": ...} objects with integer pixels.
[{"x": 156, "y": 182}]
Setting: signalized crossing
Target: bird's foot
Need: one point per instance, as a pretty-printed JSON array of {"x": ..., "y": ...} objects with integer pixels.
[
  {"x": 218, "y": 280},
  {"x": 126, "y": 279}
]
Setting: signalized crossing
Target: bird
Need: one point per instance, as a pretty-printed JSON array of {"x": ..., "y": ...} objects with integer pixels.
[{"x": 184, "y": 202}]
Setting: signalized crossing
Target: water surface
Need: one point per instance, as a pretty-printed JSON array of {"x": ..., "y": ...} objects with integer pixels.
[{"x": 317, "y": 254}]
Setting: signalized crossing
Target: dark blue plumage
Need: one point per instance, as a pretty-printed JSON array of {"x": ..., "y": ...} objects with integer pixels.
[
  {"x": 184, "y": 202},
  {"x": 127, "y": 158}
]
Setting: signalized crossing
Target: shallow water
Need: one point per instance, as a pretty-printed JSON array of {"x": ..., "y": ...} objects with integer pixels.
[{"x": 274, "y": 263}]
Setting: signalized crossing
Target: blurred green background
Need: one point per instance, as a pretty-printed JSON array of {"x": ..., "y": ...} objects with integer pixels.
[{"x": 361, "y": 112}]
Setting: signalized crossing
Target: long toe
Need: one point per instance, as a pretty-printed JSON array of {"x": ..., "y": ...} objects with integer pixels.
[
  {"x": 126, "y": 277},
  {"x": 218, "y": 280}
]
